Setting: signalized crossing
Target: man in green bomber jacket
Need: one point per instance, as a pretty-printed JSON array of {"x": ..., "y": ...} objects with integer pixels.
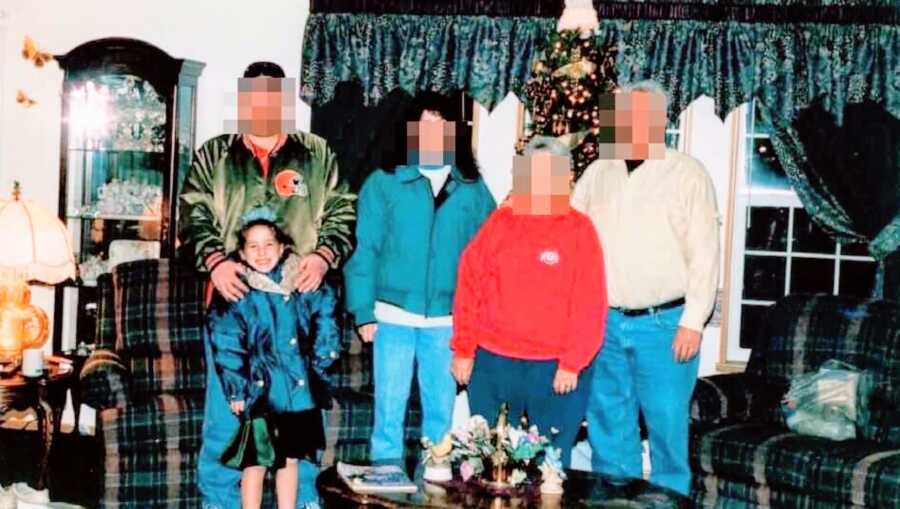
[
  {"x": 303, "y": 187},
  {"x": 295, "y": 175},
  {"x": 414, "y": 221}
]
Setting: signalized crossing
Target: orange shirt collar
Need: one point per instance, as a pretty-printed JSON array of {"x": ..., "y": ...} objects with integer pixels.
[{"x": 260, "y": 152}]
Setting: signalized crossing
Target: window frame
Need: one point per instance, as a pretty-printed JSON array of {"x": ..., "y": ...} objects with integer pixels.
[{"x": 744, "y": 197}]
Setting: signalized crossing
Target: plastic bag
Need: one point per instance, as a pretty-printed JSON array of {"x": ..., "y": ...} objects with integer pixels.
[
  {"x": 830, "y": 402},
  {"x": 834, "y": 427}
]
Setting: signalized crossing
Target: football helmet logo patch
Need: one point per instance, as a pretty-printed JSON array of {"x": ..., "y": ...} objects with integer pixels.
[{"x": 290, "y": 183}]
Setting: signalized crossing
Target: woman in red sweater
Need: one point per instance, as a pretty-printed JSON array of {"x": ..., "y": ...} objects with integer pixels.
[{"x": 530, "y": 305}]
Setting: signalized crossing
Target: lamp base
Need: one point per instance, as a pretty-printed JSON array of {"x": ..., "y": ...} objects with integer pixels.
[{"x": 9, "y": 366}]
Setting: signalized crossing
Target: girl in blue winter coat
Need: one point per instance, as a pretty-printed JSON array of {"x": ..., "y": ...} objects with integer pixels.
[{"x": 271, "y": 349}]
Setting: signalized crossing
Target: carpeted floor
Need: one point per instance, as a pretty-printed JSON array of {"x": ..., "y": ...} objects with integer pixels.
[{"x": 75, "y": 465}]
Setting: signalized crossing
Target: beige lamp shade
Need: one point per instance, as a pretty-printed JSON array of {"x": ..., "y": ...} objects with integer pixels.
[{"x": 34, "y": 243}]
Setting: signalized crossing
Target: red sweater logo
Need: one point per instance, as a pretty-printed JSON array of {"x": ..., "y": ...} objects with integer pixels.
[{"x": 549, "y": 257}]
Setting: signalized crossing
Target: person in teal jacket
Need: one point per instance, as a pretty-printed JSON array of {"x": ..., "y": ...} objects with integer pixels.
[{"x": 413, "y": 222}]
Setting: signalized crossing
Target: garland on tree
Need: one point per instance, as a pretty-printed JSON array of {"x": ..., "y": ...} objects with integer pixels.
[{"x": 563, "y": 91}]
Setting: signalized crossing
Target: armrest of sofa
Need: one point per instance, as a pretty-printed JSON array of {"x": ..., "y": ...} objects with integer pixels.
[
  {"x": 105, "y": 381},
  {"x": 736, "y": 397}
]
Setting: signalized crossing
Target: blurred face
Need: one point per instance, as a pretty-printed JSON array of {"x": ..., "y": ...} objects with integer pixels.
[
  {"x": 541, "y": 184},
  {"x": 431, "y": 141},
  {"x": 632, "y": 126},
  {"x": 266, "y": 106},
  {"x": 261, "y": 249}
]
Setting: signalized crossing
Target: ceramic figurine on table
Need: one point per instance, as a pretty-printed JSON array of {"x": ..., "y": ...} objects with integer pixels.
[
  {"x": 552, "y": 475},
  {"x": 437, "y": 459}
]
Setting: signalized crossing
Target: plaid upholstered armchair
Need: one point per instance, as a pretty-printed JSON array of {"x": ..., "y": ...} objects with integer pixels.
[
  {"x": 147, "y": 381},
  {"x": 743, "y": 455}
]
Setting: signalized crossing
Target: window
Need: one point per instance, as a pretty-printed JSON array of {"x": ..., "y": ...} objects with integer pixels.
[{"x": 777, "y": 248}]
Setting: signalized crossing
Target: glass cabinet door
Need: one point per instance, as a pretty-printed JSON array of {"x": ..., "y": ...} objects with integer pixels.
[
  {"x": 128, "y": 122},
  {"x": 116, "y": 137}
]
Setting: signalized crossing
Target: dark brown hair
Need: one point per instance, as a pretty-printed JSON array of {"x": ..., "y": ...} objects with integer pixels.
[
  {"x": 280, "y": 236},
  {"x": 450, "y": 109}
]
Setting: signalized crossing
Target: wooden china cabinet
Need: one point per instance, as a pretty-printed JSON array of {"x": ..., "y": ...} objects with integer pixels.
[{"x": 128, "y": 121}]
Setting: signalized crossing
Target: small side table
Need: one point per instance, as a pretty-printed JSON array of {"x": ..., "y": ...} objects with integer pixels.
[{"x": 46, "y": 395}]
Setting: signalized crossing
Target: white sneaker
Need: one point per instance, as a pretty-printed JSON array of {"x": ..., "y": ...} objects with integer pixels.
[
  {"x": 30, "y": 498},
  {"x": 7, "y": 498}
]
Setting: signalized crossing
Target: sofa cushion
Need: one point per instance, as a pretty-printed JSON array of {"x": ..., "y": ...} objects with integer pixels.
[
  {"x": 737, "y": 397},
  {"x": 857, "y": 472},
  {"x": 883, "y": 423},
  {"x": 715, "y": 492},
  {"x": 166, "y": 374},
  {"x": 150, "y": 308},
  {"x": 801, "y": 332},
  {"x": 152, "y": 479},
  {"x": 348, "y": 426},
  {"x": 167, "y": 422},
  {"x": 353, "y": 370}
]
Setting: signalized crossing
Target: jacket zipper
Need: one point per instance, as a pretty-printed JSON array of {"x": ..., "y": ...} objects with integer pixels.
[{"x": 428, "y": 252}]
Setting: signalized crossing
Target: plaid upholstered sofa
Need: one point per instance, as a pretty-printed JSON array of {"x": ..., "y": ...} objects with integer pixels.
[
  {"x": 743, "y": 455},
  {"x": 147, "y": 380}
]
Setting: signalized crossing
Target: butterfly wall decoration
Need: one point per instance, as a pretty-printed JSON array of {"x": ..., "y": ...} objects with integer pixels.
[
  {"x": 30, "y": 51},
  {"x": 23, "y": 99}
]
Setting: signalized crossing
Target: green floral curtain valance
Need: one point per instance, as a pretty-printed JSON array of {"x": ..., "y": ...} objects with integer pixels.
[
  {"x": 485, "y": 56},
  {"x": 786, "y": 66}
]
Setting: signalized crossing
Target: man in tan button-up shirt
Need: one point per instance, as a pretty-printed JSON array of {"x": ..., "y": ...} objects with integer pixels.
[{"x": 655, "y": 213}]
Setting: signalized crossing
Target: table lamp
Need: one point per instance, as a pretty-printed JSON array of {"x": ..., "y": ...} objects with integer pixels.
[{"x": 35, "y": 246}]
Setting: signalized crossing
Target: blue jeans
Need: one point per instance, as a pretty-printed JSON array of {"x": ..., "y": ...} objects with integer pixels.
[
  {"x": 220, "y": 485},
  {"x": 398, "y": 349},
  {"x": 527, "y": 386},
  {"x": 636, "y": 370}
]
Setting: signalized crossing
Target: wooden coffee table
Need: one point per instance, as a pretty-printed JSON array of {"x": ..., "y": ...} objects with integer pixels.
[
  {"x": 45, "y": 395},
  {"x": 582, "y": 489}
]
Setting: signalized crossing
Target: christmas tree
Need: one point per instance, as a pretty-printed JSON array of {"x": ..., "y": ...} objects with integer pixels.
[{"x": 563, "y": 91}]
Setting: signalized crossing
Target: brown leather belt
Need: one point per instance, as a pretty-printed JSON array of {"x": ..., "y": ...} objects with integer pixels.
[{"x": 652, "y": 309}]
